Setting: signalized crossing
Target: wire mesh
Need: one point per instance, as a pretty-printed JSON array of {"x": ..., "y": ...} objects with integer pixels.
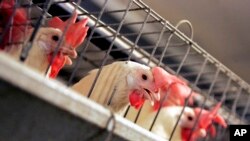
[{"x": 130, "y": 30}]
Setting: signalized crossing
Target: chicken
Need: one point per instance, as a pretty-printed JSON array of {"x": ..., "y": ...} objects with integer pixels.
[
  {"x": 119, "y": 84},
  {"x": 168, "y": 117},
  {"x": 204, "y": 124},
  {"x": 45, "y": 42},
  {"x": 75, "y": 34},
  {"x": 42, "y": 46},
  {"x": 173, "y": 92}
]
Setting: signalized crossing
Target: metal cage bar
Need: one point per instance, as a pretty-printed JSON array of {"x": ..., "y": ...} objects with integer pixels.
[{"x": 131, "y": 30}]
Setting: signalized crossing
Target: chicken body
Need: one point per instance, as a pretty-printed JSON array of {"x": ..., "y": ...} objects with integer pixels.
[
  {"x": 118, "y": 83},
  {"x": 165, "y": 121},
  {"x": 168, "y": 117}
]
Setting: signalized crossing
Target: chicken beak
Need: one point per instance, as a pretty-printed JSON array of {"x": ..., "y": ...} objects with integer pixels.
[{"x": 151, "y": 96}]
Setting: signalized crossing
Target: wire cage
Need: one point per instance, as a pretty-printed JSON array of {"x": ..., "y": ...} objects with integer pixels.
[{"x": 131, "y": 30}]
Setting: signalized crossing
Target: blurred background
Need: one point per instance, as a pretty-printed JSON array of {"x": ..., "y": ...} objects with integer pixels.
[{"x": 221, "y": 27}]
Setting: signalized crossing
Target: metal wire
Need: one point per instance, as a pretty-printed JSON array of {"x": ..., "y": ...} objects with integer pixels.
[
  {"x": 246, "y": 108},
  {"x": 139, "y": 35},
  {"x": 195, "y": 83},
  {"x": 203, "y": 104},
  {"x": 39, "y": 23},
  {"x": 8, "y": 25},
  {"x": 150, "y": 58},
  {"x": 157, "y": 42},
  {"x": 130, "y": 54},
  {"x": 233, "y": 109},
  {"x": 59, "y": 43},
  {"x": 83, "y": 50},
  {"x": 111, "y": 121}
]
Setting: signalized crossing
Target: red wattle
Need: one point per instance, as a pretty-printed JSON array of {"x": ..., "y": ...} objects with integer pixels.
[
  {"x": 185, "y": 133},
  {"x": 57, "y": 64},
  {"x": 136, "y": 100}
]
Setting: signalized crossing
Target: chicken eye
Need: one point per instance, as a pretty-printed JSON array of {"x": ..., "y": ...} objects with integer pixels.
[
  {"x": 190, "y": 118},
  {"x": 144, "y": 77},
  {"x": 55, "y": 38}
]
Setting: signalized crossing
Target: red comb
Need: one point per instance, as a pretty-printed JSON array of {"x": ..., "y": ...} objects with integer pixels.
[
  {"x": 57, "y": 64},
  {"x": 74, "y": 36},
  {"x": 163, "y": 78},
  {"x": 135, "y": 100},
  {"x": 19, "y": 21},
  {"x": 208, "y": 117},
  {"x": 75, "y": 32},
  {"x": 176, "y": 88},
  {"x": 176, "y": 94}
]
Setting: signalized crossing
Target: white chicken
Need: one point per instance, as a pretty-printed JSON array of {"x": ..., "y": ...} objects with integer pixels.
[
  {"x": 119, "y": 84},
  {"x": 43, "y": 44},
  {"x": 168, "y": 117},
  {"x": 15, "y": 38}
]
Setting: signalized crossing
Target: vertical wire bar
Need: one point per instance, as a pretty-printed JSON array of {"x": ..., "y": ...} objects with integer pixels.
[
  {"x": 195, "y": 83},
  {"x": 25, "y": 50},
  {"x": 167, "y": 44},
  {"x": 183, "y": 60},
  {"x": 83, "y": 50},
  {"x": 235, "y": 102},
  {"x": 214, "y": 81},
  {"x": 134, "y": 46},
  {"x": 110, "y": 47},
  {"x": 140, "y": 33},
  {"x": 161, "y": 103},
  {"x": 246, "y": 108},
  {"x": 177, "y": 73},
  {"x": 9, "y": 25},
  {"x": 150, "y": 58},
  {"x": 225, "y": 90},
  {"x": 189, "y": 46},
  {"x": 59, "y": 43},
  {"x": 158, "y": 42},
  {"x": 166, "y": 47},
  {"x": 204, "y": 101},
  {"x": 222, "y": 101},
  {"x": 29, "y": 18}
]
